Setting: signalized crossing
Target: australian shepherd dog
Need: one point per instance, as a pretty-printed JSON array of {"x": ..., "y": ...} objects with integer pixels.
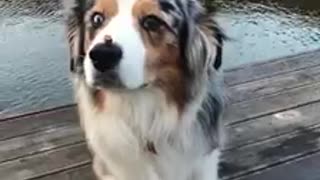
[{"x": 148, "y": 89}]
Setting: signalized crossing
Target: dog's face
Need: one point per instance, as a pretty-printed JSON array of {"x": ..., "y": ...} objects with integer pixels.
[{"x": 131, "y": 44}]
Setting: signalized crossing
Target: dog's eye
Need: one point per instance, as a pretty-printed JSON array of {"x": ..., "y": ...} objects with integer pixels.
[
  {"x": 151, "y": 23},
  {"x": 97, "y": 20}
]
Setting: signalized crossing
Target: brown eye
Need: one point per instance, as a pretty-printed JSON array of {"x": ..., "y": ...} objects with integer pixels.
[
  {"x": 97, "y": 19},
  {"x": 151, "y": 23}
]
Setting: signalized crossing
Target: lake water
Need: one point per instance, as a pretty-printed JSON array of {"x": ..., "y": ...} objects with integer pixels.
[{"x": 34, "y": 68}]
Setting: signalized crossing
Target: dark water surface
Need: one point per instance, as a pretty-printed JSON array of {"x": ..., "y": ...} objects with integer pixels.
[{"x": 33, "y": 51}]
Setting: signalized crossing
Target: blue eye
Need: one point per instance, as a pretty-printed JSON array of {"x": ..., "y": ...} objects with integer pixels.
[{"x": 97, "y": 20}]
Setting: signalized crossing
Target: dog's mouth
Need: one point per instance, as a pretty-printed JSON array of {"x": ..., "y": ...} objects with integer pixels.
[
  {"x": 112, "y": 83},
  {"x": 99, "y": 94},
  {"x": 96, "y": 88}
]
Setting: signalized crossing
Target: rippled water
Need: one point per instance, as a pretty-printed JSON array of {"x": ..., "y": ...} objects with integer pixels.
[
  {"x": 33, "y": 65},
  {"x": 262, "y": 30},
  {"x": 34, "y": 68}
]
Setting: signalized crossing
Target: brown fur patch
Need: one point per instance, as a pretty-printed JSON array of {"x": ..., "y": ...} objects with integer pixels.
[
  {"x": 163, "y": 62},
  {"x": 145, "y": 7},
  {"x": 170, "y": 79},
  {"x": 99, "y": 99},
  {"x": 108, "y": 7}
]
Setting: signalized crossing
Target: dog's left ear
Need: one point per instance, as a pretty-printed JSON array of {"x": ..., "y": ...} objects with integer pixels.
[{"x": 203, "y": 46}]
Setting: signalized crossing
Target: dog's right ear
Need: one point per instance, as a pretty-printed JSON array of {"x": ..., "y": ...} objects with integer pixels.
[
  {"x": 74, "y": 11},
  {"x": 68, "y": 6},
  {"x": 71, "y": 21},
  {"x": 74, "y": 7},
  {"x": 202, "y": 37}
]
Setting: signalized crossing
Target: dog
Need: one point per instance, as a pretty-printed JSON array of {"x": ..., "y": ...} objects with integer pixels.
[{"x": 148, "y": 87}]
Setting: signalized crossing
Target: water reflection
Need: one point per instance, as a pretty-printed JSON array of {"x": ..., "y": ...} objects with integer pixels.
[{"x": 33, "y": 56}]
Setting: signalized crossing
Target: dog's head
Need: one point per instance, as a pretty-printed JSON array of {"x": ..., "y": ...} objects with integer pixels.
[{"x": 173, "y": 45}]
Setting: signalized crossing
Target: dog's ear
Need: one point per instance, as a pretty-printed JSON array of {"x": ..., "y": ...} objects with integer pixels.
[
  {"x": 71, "y": 28},
  {"x": 203, "y": 46},
  {"x": 74, "y": 11},
  {"x": 70, "y": 11},
  {"x": 68, "y": 6}
]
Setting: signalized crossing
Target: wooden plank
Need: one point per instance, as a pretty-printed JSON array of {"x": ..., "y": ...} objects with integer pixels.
[
  {"x": 274, "y": 84},
  {"x": 243, "y": 160},
  {"x": 308, "y": 110},
  {"x": 254, "y": 71},
  {"x": 79, "y": 173},
  {"x": 292, "y": 98},
  {"x": 45, "y": 163},
  {"x": 32, "y": 113},
  {"x": 36, "y": 122},
  {"x": 307, "y": 168},
  {"x": 39, "y": 142},
  {"x": 253, "y": 158},
  {"x": 273, "y": 125}
]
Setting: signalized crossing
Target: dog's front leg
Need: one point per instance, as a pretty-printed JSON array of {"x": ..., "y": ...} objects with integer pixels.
[
  {"x": 211, "y": 166},
  {"x": 208, "y": 169},
  {"x": 101, "y": 170}
]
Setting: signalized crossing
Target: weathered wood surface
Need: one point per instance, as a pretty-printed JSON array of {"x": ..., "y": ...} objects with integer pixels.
[
  {"x": 272, "y": 122},
  {"x": 306, "y": 168},
  {"x": 254, "y": 71}
]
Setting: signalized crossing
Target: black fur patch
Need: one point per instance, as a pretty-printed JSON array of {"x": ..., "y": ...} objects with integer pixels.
[
  {"x": 209, "y": 120},
  {"x": 220, "y": 37},
  {"x": 218, "y": 60},
  {"x": 166, "y": 6}
]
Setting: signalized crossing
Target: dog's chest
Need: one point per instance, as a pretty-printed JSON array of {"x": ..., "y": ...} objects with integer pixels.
[
  {"x": 131, "y": 138},
  {"x": 135, "y": 157}
]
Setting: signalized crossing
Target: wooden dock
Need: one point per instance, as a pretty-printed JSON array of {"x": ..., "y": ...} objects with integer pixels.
[{"x": 273, "y": 124}]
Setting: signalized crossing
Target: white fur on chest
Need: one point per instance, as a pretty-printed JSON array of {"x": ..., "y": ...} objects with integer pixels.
[{"x": 118, "y": 136}]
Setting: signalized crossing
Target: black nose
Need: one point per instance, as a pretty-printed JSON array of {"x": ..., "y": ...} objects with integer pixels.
[{"x": 105, "y": 56}]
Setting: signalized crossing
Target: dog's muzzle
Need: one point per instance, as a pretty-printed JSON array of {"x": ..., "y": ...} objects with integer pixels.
[{"x": 105, "y": 56}]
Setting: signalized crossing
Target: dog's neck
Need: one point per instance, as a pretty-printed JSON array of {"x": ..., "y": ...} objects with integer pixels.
[{"x": 146, "y": 110}]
